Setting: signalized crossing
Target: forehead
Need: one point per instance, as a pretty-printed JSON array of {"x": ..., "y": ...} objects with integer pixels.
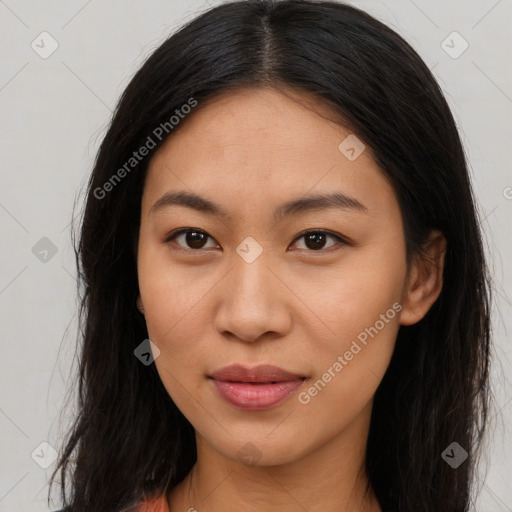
[{"x": 256, "y": 141}]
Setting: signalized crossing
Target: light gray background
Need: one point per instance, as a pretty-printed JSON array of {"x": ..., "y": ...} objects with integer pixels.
[{"x": 54, "y": 113}]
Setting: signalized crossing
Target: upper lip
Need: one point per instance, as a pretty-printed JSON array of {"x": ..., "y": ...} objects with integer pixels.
[{"x": 260, "y": 373}]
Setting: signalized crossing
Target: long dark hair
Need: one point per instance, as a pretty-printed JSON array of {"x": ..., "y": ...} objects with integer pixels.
[{"x": 129, "y": 440}]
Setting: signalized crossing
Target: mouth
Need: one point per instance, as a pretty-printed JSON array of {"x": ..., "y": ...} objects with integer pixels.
[{"x": 259, "y": 388}]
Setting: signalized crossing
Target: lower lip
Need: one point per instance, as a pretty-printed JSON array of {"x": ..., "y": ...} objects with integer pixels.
[{"x": 255, "y": 397}]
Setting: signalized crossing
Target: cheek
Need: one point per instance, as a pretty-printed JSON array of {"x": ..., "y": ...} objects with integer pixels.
[
  {"x": 359, "y": 306},
  {"x": 175, "y": 298},
  {"x": 345, "y": 298},
  {"x": 174, "y": 317},
  {"x": 172, "y": 295},
  {"x": 348, "y": 371}
]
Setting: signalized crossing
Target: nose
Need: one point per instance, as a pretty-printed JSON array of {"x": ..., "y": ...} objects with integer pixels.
[{"x": 252, "y": 302}]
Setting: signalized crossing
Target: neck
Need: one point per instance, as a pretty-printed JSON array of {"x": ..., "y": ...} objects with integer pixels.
[{"x": 330, "y": 478}]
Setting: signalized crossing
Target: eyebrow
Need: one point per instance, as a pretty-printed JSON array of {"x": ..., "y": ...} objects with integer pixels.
[{"x": 293, "y": 207}]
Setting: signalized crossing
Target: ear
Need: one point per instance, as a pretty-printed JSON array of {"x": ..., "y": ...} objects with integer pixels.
[
  {"x": 425, "y": 280},
  {"x": 140, "y": 306}
]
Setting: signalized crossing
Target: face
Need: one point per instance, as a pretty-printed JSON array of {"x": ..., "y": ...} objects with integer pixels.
[{"x": 317, "y": 291}]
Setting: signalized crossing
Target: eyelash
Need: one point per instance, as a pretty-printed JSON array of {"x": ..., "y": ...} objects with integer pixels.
[{"x": 175, "y": 234}]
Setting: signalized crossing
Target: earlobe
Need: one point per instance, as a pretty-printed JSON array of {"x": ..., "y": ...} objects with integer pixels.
[
  {"x": 425, "y": 280},
  {"x": 140, "y": 306}
]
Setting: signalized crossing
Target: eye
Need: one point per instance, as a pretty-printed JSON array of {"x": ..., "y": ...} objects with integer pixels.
[
  {"x": 315, "y": 239},
  {"x": 195, "y": 238}
]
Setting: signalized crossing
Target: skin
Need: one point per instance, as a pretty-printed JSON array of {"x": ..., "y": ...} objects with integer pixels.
[{"x": 295, "y": 307}]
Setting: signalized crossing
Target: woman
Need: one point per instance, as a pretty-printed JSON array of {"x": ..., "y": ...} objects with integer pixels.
[{"x": 286, "y": 302}]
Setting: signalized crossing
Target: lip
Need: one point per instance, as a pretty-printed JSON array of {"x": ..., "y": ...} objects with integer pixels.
[
  {"x": 263, "y": 373},
  {"x": 256, "y": 388}
]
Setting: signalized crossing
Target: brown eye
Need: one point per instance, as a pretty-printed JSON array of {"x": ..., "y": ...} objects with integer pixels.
[
  {"x": 195, "y": 239},
  {"x": 316, "y": 240}
]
